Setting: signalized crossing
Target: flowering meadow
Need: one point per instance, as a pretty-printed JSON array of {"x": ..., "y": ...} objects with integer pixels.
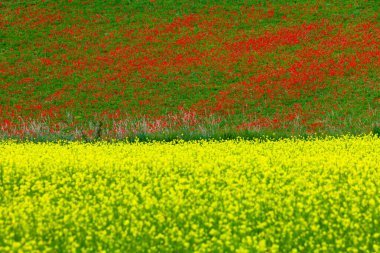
[
  {"x": 159, "y": 67},
  {"x": 292, "y": 195},
  {"x": 189, "y": 126}
]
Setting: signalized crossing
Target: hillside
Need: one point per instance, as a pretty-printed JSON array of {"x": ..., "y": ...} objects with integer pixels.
[{"x": 90, "y": 69}]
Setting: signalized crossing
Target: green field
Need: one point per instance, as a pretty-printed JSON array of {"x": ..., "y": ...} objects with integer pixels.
[
  {"x": 189, "y": 126},
  {"x": 159, "y": 69}
]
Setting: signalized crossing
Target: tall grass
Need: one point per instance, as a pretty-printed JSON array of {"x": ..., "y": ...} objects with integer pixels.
[{"x": 185, "y": 126}]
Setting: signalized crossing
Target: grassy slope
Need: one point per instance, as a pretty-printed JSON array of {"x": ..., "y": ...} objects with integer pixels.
[{"x": 160, "y": 68}]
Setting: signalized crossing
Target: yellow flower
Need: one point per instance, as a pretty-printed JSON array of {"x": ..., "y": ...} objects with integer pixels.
[
  {"x": 192, "y": 196},
  {"x": 262, "y": 246}
]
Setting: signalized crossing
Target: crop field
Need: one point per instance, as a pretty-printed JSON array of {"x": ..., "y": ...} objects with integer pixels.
[
  {"x": 290, "y": 195},
  {"x": 113, "y": 69},
  {"x": 189, "y": 126}
]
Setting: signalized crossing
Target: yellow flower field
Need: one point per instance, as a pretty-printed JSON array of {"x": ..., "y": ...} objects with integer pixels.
[{"x": 206, "y": 196}]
